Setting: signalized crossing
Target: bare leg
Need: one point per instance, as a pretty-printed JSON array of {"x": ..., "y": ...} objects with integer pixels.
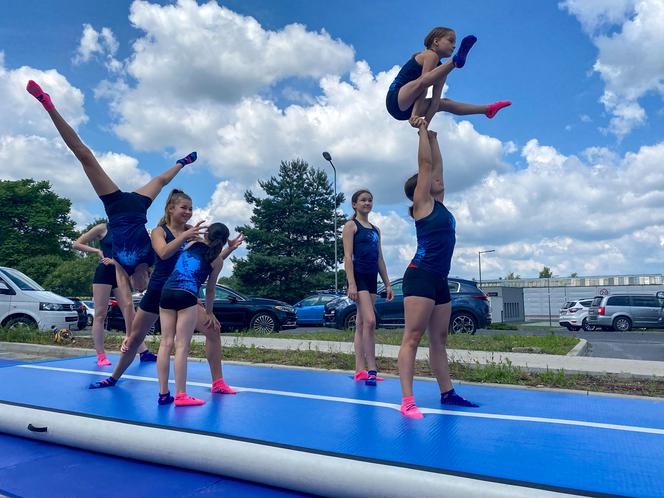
[
  {"x": 100, "y": 181},
  {"x": 212, "y": 343},
  {"x": 123, "y": 295},
  {"x": 100, "y": 295},
  {"x": 168, "y": 320},
  {"x": 140, "y": 326},
  {"x": 184, "y": 329},
  {"x": 417, "y": 311},
  {"x": 461, "y": 108},
  {"x": 438, "y": 328},
  {"x": 154, "y": 186},
  {"x": 360, "y": 358},
  {"x": 366, "y": 308},
  {"x": 413, "y": 90}
]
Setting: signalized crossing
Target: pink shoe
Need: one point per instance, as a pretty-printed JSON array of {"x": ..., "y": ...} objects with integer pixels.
[
  {"x": 409, "y": 408},
  {"x": 35, "y": 90},
  {"x": 220, "y": 387},
  {"x": 182, "y": 399},
  {"x": 364, "y": 375},
  {"x": 495, "y": 107},
  {"x": 102, "y": 361}
]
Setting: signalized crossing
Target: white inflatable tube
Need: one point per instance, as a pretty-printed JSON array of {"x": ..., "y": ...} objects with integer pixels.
[{"x": 293, "y": 469}]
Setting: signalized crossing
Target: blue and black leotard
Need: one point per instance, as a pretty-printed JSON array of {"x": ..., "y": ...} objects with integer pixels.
[
  {"x": 410, "y": 71},
  {"x": 127, "y": 216}
]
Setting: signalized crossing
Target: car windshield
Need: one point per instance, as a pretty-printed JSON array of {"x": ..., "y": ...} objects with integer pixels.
[{"x": 21, "y": 281}]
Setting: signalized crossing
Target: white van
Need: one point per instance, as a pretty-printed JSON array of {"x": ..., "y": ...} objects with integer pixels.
[{"x": 24, "y": 301}]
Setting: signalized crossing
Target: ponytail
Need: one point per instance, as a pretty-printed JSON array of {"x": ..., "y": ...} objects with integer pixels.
[
  {"x": 217, "y": 236},
  {"x": 409, "y": 190},
  {"x": 173, "y": 198}
]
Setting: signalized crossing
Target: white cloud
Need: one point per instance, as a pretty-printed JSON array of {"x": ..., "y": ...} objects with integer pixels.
[
  {"x": 98, "y": 43},
  {"x": 629, "y": 59}
]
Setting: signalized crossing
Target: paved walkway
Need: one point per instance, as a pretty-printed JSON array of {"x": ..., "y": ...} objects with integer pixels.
[{"x": 572, "y": 363}]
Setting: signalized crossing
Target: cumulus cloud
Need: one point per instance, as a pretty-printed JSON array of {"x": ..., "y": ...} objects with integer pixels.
[
  {"x": 629, "y": 59},
  {"x": 101, "y": 44}
]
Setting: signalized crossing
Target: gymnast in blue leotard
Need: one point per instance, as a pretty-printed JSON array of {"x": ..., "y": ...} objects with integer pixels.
[
  {"x": 406, "y": 98},
  {"x": 126, "y": 211}
]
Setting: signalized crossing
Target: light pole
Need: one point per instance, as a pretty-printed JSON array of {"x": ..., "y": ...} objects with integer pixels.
[
  {"x": 479, "y": 262},
  {"x": 328, "y": 158}
]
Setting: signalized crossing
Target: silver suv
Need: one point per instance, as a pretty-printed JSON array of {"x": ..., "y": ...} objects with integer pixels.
[
  {"x": 574, "y": 315},
  {"x": 623, "y": 312}
]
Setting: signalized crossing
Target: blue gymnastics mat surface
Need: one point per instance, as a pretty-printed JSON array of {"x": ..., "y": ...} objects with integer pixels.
[
  {"x": 31, "y": 468},
  {"x": 582, "y": 444}
]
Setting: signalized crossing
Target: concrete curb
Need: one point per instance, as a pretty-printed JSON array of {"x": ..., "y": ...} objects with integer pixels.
[
  {"x": 580, "y": 349},
  {"x": 583, "y": 365}
]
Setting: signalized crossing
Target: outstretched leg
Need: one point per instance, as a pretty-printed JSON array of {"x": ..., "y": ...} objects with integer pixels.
[
  {"x": 464, "y": 109},
  {"x": 154, "y": 186},
  {"x": 101, "y": 182}
]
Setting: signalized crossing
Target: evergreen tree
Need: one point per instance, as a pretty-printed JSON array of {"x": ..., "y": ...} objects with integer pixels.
[
  {"x": 546, "y": 273},
  {"x": 35, "y": 221},
  {"x": 290, "y": 240}
]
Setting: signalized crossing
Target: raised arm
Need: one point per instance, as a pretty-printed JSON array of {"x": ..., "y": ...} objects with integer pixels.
[
  {"x": 437, "y": 161},
  {"x": 165, "y": 250},
  {"x": 347, "y": 236},
  {"x": 95, "y": 233},
  {"x": 422, "y": 200}
]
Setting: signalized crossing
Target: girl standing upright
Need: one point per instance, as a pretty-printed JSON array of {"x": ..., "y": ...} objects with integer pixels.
[
  {"x": 427, "y": 300},
  {"x": 363, "y": 261}
]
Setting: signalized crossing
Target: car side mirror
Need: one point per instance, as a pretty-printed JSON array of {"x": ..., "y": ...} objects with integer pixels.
[
  {"x": 660, "y": 295},
  {"x": 383, "y": 294},
  {"x": 5, "y": 290},
  {"x": 232, "y": 299}
]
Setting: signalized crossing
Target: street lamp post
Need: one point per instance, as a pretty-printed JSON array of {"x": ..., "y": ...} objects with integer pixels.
[
  {"x": 479, "y": 262},
  {"x": 328, "y": 158}
]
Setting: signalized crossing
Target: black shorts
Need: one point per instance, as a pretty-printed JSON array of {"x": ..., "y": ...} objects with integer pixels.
[
  {"x": 150, "y": 300},
  {"x": 105, "y": 275},
  {"x": 417, "y": 282},
  {"x": 392, "y": 104},
  {"x": 366, "y": 282},
  {"x": 176, "y": 299}
]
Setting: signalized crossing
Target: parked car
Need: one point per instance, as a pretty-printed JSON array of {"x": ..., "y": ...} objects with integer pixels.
[
  {"x": 311, "y": 310},
  {"x": 81, "y": 311},
  {"x": 470, "y": 308},
  {"x": 574, "y": 315},
  {"x": 234, "y": 311},
  {"x": 90, "y": 310},
  {"x": 24, "y": 302},
  {"x": 622, "y": 312}
]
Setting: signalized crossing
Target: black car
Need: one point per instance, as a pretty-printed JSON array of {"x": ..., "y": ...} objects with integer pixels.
[
  {"x": 233, "y": 310},
  {"x": 470, "y": 308},
  {"x": 81, "y": 311}
]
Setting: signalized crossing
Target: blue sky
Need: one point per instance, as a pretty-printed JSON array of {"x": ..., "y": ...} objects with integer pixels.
[{"x": 567, "y": 177}]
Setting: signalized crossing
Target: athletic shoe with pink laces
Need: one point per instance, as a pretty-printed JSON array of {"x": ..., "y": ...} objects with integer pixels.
[
  {"x": 183, "y": 399},
  {"x": 409, "y": 408},
  {"x": 220, "y": 387},
  {"x": 102, "y": 361},
  {"x": 363, "y": 375}
]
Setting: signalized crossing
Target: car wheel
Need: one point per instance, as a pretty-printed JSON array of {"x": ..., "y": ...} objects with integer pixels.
[
  {"x": 20, "y": 322},
  {"x": 263, "y": 323},
  {"x": 622, "y": 324},
  {"x": 90, "y": 320},
  {"x": 463, "y": 323},
  {"x": 350, "y": 321},
  {"x": 586, "y": 326}
]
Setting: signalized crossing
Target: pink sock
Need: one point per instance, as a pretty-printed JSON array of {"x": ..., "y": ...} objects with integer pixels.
[
  {"x": 182, "y": 399},
  {"x": 35, "y": 90},
  {"x": 220, "y": 387},
  {"x": 495, "y": 107},
  {"x": 364, "y": 375},
  {"x": 409, "y": 408},
  {"x": 102, "y": 361}
]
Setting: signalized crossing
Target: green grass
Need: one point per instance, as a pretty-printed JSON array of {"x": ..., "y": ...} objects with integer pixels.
[
  {"x": 496, "y": 373},
  {"x": 548, "y": 344}
]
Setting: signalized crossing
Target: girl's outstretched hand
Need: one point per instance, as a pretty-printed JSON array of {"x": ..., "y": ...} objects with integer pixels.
[
  {"x": 236, "y": 242},
  {"x": 195, "y": 232},
  {"x": 107, "y": 261}
]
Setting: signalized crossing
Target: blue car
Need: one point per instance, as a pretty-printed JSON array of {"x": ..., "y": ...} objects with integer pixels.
[
  {"x": 470, "y": 308},
  {"x": 311, "y": 309}
]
